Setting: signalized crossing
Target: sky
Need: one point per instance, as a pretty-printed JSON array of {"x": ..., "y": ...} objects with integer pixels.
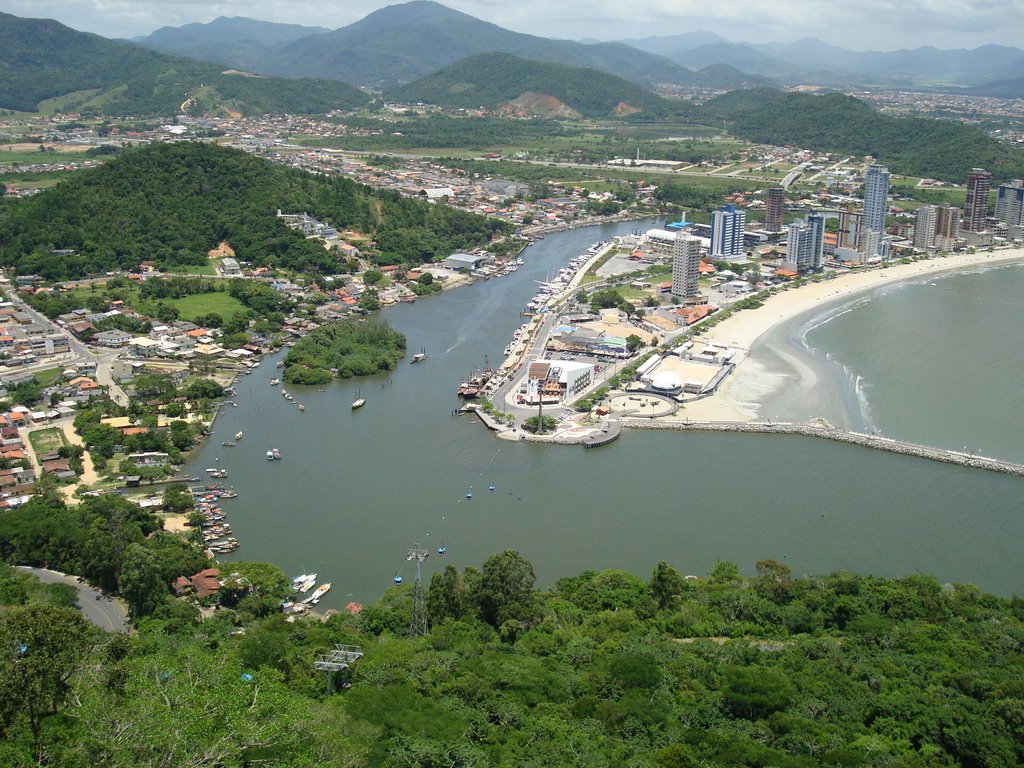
[{"x": 860, "y": 25}]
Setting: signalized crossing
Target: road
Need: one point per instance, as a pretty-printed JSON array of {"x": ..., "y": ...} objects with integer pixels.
[{"x": 106, "y": 613}]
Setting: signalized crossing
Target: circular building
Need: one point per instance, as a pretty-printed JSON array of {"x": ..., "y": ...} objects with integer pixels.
[{"x": 667, "y": 382}]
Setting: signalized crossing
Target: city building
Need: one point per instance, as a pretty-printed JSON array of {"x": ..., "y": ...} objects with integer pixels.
[
  {"x": 805, "y": 246},
  {"x": 773, "y": 209},
  {"x": 1010, "y": 203},
  {"x": 851, "y": 226},
  {"x": 947, "y": 225},
  {"x": 727, "y": 231},
  {"x": 685, "y": 266},
  {"x": 924, "y": 227},
  {"x": 976, "y": 200},
  {"x": 876, "y": 197}
]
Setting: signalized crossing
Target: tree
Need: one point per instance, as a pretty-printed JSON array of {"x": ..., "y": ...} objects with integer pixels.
[
  {"x": 177, "y": 499},
  {"x": 373, "y": 277},
  {"x": 369, "y": 301},
  {"x": 506, "y": 592},
  {"x": 666, "y": 585},
  {"x": 446, "y": 597},
  {"x": 41, "y": 648},
  {"x": 140, "y": 583},
  {"x": 633, "y": 343},
  {"x": 546, "y": 424},
  {"x": 425, "y": 279},
  {"x": 724, "y": 572}
]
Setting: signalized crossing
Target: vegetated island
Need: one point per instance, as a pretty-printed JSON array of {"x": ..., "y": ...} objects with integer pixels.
[{"x": 345, "y": 348}]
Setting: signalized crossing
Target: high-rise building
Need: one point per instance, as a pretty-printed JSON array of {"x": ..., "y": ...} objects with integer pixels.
[
  {"x": 947, "y": 225},
  {"x": 727, "y": 231},
  {"x": 1010, "y": 203},
  {"x": 805, "y": 246},
  {"x": 773, "y": 209},
  {"x": 685, "y": 265},
  {"x": 851, "y": 225},
  {"x": 976, "y": 200},
  {"x": 876, "y": 197},
  {"x": 924, "y": 227}
]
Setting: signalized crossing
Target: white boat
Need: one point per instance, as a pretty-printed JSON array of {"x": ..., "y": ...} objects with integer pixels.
[
  {"x": 270, "y": 455},
  {"x": 238, "y": 435},
  {"x": 320, "y": 592},
  {"x": 307, "y": 584},
  {"x": 298, "y": 581},
  {"x": 280, "y": 363},
  {"x": 274, "y": 382},
  {"x": 359, "y": 402},
  {"x": 302, "y": 407}
]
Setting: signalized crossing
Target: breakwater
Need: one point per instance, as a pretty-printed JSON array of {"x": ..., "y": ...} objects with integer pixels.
[{"x": 828, "y": 432}]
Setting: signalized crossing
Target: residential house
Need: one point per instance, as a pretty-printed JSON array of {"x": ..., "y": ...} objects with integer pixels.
[{"x": 112, "y": 338}]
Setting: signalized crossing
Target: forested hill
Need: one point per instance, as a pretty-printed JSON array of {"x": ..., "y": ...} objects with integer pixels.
[
  {"x": 515, "y": 85},
  {"x": 43, "y": 59},
  {"x": 937, "y": 149},
  {"x": 602, "y": 669},
  {"x": 171, "y": 203}
]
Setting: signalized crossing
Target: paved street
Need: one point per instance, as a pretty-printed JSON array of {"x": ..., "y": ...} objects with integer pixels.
[{"x": 105, "y": 612}]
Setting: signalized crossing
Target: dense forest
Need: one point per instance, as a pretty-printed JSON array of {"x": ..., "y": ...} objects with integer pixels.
[
  {"x": 44, "y": 59},
  {"x": 171, "y": 203},
  {"x": 348, "y": 347},
  {"x": 937, "y": 149},
  {"x": 600, "y": 669},
  {"x": 493, "y": 79}
]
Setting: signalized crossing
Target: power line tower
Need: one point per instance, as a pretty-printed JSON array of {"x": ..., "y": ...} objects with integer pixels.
[
  {"x": 418, "y": 625},
  {"x": 338, "y": 660}
]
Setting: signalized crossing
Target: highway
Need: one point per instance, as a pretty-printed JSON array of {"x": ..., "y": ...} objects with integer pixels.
[{"x": 105, "y": 612}]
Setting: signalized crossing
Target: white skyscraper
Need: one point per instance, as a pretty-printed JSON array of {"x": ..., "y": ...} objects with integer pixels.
[
  {"x": 1010, "y": 203},
  {"x": 924, "y": 227},
  {"x": 876, "y": 197},
  {"x": 805, "y": 246},
  {"x": 685, "y": 265},
  {"x": 727, "y": 231}
]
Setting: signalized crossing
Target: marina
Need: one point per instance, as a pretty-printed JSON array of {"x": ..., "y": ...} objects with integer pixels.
[{"x": 614, "y": 502}]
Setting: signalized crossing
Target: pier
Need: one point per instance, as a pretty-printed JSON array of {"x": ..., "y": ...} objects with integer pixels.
[{"x": 828, "y": 432}]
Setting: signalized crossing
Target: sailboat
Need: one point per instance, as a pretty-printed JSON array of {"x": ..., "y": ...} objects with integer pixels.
[
  {"x": 420, "y": 356},
  {"x": 359, "y": 402}
]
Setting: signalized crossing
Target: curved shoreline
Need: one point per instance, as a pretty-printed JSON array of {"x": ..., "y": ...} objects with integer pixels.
[{"x": 733, "y": 401}]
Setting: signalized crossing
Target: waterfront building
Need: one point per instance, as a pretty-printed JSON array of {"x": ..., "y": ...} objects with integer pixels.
[
  {"x": 773, "y": 209},
  {"x": 976, "y": 200},
  {"x": 1010, "y": 203},
  {"x": 924, "y": 227},
  {"x": 685, "y": 265},
  {"x": 851, "y": 226},
  {"x": 805, "y": 246},
  {"x": 727, "y": 231},
  {"x": 876, "y": 206}
]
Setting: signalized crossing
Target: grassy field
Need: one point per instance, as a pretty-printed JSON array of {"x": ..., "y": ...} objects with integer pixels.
[
  {"x": 198, "y": 304},
  {"x": 46, "y": 440},
  {"x": 196, "y": 269},
  {"x": 48, "y": 376}
]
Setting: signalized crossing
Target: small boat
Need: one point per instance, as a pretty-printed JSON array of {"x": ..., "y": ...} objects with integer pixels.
[
  {"x": 320, "y": 592},
  {"x": 490, "y": 487},
  {"x": 441, "y": 550},
  {"x": 274, "y": 382},
  {"x": 228, "y": 443},
  {"x": 420, "y": 356},
  {"x": 302, "y": 407},
  {"x": 298, "y": 581},
  {"x": 469, "y": 494},
  {"x": 307, "y": 584},
  {"x": 359, "y": 402},
  {"x": 238, "y": 435},
  {"x": 275, "y": 453},
  {"x": 397, "y": 579},
  {"x": 280, "y": 363}
]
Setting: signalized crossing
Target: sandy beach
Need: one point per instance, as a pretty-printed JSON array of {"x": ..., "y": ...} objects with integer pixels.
[{"x": 741, "y": 394}]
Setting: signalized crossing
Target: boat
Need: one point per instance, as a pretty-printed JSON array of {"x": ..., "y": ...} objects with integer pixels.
[
  {"x": 359, "y": 402},
  {"x": 320, "y": 592},
  {"x": 275, "y": 453},
  {"x": 274, "y": 382},
  {"x": 419, "y": 357},
  {"x": 280, "y": 363},
  {"x": 302, "y": 407},
  {"x": 238, "y": 435},
  {"x": 228, "y": 443},
  {"x": 307, "y": 584},
  {"x": 298, "y": 581}
]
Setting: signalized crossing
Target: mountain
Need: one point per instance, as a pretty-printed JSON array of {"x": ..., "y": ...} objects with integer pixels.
[
  {"x": 1012, "y": 88},
  {"x": 43, "y": 59},
  {"x": 517, "y": 86},
  {"x": 173, "y": 202},
  {"x": 918, "y": 65},
  {"x": 670, "y": 45},
  {"x": 236, "y": 40},
  {"x": 402, "y": 43},
  {"x": 924, "y": 147}
]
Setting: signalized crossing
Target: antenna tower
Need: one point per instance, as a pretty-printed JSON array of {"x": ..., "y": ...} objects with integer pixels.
[{"x": 418, "y": 624}]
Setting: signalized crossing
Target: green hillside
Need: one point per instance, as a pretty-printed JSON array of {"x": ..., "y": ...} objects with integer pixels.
[
  {"x": 834, "y": 122},
  {"x": 173, "y": 202},
  {"x": 43, "y": 59},
  {"x": 494, "y": 79},
  {"x": 602, "y": 669}
]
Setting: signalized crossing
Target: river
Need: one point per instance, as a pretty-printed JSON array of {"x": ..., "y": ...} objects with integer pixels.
[{"x": 356, "y": 489}]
